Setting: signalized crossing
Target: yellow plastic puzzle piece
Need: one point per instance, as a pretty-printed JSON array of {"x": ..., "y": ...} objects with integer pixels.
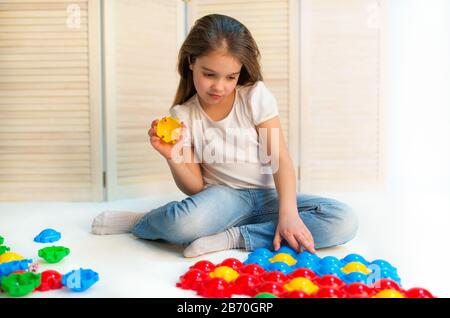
[
  {"x": 356, "y": 267},
  {"x": 283, "y": 257},
  {"x": 389, "y": 293},
  {"x": 224, "y": 272},
  {"x": 303, "y": 284},
  {"x": 9, "y": 257},
  {"x": 169, "y": 129}
]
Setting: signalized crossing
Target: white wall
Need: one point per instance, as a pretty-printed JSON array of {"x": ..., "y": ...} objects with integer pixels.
[{"x": 419, "y": 97}]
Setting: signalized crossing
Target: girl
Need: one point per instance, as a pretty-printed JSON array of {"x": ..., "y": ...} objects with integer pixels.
[{"x": 232, "y": 202}]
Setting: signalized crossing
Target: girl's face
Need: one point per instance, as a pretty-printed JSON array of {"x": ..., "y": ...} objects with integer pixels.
[{"x": 215, "y": 76}]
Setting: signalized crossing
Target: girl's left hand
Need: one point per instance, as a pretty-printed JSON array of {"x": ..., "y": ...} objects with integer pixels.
[{"x": 294, "y": 231}]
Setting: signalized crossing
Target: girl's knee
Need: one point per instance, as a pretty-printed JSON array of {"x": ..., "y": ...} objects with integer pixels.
[
  {"x": 344, "y": 222},
  {"x": 175, "y": 224},
  {"x": 183, "y": 232},
  {"x": 349, "y": 225},
  {"x": 182, "y": 222}
]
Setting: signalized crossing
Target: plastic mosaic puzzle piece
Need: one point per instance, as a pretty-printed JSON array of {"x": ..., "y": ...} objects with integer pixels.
[
  {"x": 9, "y": 257},
  {"x": 215, "y": 288},
  {"x": 245, "y": 284},
  {"x": 53, "y": 254},
  {"x": 80, "y": 280},
  {"x": 11, "y": 267},
  {"x": 418, "y": 293},
  {"x": 205, "y": 266},
  {"x": 48, "y": 236},
  {"x": 310, "y": 276},
  {"x": 252, "y": 269},
  {"x": 50, "y": 279},
  {"x": 389, "y": 293},
  {"x": 265, "y": 295},
  {"x": 4, "y": 249},
  {"x": 225, "y": 272},
  {"x": 284, "y": 258},
  {"x": 302, "y": 284},
  {"x": 233, "y": 263},
  {"x": 169, "y": 129},
  {"x": 19, "y": 285},
  {"x": 192, "y": 279}
]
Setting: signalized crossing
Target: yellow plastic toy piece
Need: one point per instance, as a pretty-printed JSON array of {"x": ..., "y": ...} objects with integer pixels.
[
  {"x": 356, "y": 267},
  {"x": 303, "y": 284},
  {"x": 9, "y": 257},
  {"x": 389, "y": 293},
  {"x": 283, "y": 257},
  {"x": 224, "y": 272},
  {"x": 169, "y": 129}
]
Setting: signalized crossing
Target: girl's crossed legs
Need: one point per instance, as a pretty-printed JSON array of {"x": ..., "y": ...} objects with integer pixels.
[{"x": 220, "y": 218}]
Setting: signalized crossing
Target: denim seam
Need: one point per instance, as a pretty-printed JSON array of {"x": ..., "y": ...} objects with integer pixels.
[
  {"x": 246, "y": 236},
  {"x": 254, "y": 200},
  {"x": 243, "y": 196},
  {"x": 266, "y": 213},
  {"x": 240, "y": 220}
]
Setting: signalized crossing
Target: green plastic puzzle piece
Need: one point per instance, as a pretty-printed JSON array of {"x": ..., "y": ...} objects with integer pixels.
[
  {"x": 265, "y": 295},
  {"x": 4, "y": 249},
  {"x": 1, "y": 240},
  {"x": 19, "y": 285},
  {"x": 53, "y": 254}
]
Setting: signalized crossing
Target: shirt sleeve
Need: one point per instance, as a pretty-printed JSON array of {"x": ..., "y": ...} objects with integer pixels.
[
  {"x": 263, "y": 103},
  {"x": 182, "y": 113}
]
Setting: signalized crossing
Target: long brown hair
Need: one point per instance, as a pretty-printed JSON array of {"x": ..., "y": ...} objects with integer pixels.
[{"x": 210, "y": 33}]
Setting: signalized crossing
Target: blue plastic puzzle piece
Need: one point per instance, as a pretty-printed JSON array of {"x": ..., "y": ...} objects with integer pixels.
[
  {"x": 330, "y": 261},
  {"x": 48, "y": 236},
  {"x": 80, "y": 279},
  {"x": 279, "y": 266},
  {"x": 9, "y": 267},
  {"x": 264, "y": 252},
  {"x": 353, "y": 258},
  {"x": 258, "y": 259}
]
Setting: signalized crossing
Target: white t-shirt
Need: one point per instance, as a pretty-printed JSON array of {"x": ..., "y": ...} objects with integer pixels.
[{"x": 228, "y": 150}]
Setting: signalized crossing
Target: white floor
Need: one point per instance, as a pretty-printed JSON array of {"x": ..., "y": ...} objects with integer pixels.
[{"x": 411, "y": 232}]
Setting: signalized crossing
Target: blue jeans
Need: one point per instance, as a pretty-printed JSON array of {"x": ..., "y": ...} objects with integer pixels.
[{"x": 254, "y": 211}]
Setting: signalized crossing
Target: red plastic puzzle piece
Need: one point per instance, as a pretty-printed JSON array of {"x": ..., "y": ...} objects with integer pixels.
[
  {"x": 233, "y": 263},
  {"x": 252, "y": 269},
  {"x": 418, "y": 293},
  {"x": 245, "y": 284},
  {"x": 215, "y": 288},
  {"x": 275, "y": 277},
  {"x": 50, "y": 279},
  {"x": 358, "y": 290},
  {"x": 192, "y": 279},
  {"x": 204, "y": 266},
  {"x": 329, "y": 281}
]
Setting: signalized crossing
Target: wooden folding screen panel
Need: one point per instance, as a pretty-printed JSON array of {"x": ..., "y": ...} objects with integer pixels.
[
  {"x": 142, "y": 40},
  {"x": 50, "y": 121},
  {"x": 343, "y": 78}
]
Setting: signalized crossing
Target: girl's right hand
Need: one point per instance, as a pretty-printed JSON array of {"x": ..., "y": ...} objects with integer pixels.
[{"x": 164, "y": 148}]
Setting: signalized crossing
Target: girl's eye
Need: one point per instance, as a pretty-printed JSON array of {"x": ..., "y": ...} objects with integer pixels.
[
  {"x": 209, "y": 75},
  {"x": 231, "y": 78}
]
